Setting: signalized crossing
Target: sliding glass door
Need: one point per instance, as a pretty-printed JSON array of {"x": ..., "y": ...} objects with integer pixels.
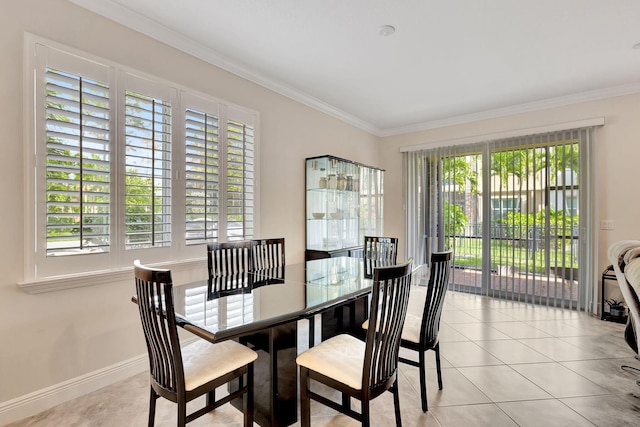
[{"x": 511, "y": 211}]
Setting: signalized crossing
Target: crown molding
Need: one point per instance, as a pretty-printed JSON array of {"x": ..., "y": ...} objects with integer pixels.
[
  {"x": 140, "y": 23},
  {"x": 513, "y": 133},
  {"x": 544, "y": 104}
]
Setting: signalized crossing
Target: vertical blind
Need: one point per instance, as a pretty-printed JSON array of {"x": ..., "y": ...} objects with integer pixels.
[{"x": 514, "y": 211}]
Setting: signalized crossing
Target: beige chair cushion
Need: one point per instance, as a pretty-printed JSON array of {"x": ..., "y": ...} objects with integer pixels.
[
  {"x": 340, "y": 357},
  {"x": 413, "y": 321},
  {"x": 204, "y": 361}
]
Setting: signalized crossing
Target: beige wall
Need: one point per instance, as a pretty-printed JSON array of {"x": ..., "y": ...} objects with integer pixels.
[
  {"x": 617, "y": 155},
  {"x": 49, "y": 338}
]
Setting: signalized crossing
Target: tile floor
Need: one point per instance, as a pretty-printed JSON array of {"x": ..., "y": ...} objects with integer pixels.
[{"x": 504, "y": 364}]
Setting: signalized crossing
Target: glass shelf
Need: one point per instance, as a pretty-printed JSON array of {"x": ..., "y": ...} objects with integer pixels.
[{"x": 343, "y": 204}]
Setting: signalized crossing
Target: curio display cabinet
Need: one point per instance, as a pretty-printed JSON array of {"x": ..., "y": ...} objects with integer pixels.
[{"x": 343, "y": 204}]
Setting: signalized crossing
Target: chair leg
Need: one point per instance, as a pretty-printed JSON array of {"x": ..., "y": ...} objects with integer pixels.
[
  {"x": 152, "y": 407},
  {"x": 211, "y": 397},
  {"x": 248, "y": 398},
  {"x": 366, "y": 419},
  {"x": 437, "y": 350},
  {"x": 305, "y": 404},
  {"x": 396, "y": 403},
  {"x": 423, "y": 381},
  {"x": 346, "y": 401},
  {"x": 182, "y": 413}
]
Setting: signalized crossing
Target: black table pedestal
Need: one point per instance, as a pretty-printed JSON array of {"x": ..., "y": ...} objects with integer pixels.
[
  {"x": 347, "y": 318},
  {"x": 275, "y": 375}
]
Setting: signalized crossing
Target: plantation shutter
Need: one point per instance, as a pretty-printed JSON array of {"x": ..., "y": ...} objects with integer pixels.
[
  {"x": 78, "y": 156},
  {"x": 147, "y": 170},
  {"x": 240, "y": 168},
  {"x": 202, "y": 176},
  {"x": 112, "y": 173}
]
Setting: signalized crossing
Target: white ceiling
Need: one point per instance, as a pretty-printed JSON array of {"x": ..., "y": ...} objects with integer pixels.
[{"x": 449, "y": 61}]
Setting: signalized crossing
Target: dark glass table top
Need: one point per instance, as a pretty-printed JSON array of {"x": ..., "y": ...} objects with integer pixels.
[{"x": 234, "y": 306}]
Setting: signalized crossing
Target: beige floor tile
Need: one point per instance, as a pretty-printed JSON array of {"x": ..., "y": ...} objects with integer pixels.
[
  {"x": 558, "y": 380},
  {"x": 609, "y": 345},
  {"x": 491, "y": 315},
  {"x": 479, "y": 331},
  {"x": 621, "y": 410},
  {"x": 487, "y": 415},
  {"x": 528, "y": 312},
  {"x": 607, "y": 373},
  {"x": 519, "y": 330},
  {"x": 503, "y": 383},
  {"x": 456, "y": 388},
  {"x": 449, "y": 334},
  {"x": 467, "y": 353},
  {"x": 458, "y": 316},
  {"x": 559, "y": 350},
  {"x": 555, "y": 328},
  {"x": 512, "y": 352},
  {"x": 547, "y": 413}
]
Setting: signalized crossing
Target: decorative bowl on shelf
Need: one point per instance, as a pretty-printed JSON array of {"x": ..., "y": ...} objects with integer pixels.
[
  {"x": 336, "y": 215},
  {"x": 318, "y": 215}
]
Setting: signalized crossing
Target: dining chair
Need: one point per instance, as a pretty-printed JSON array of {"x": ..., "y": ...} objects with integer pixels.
[
  {"x": 229, "y": 265},
  {"x": 381, "y": 248},
  {"x": 183, "y": 374},
  {"x": 268, "y": 261},
  {"x": 421, "y": 328},
  {"x": 356, "y": 368},
  {"x": 379, "y": 252},
  {"x": 267, "y": 253}
]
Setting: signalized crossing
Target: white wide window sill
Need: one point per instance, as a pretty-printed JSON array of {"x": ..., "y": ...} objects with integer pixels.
[{"x": 80, "y": 280}]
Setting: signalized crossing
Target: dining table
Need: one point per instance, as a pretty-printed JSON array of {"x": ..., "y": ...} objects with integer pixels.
[{"x": 262, "y": 308}]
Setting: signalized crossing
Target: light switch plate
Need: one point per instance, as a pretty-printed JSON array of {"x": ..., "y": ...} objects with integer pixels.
[{"x": 606, "y": 224}]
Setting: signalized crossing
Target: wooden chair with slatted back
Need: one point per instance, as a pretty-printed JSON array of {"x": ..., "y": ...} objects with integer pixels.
[
  {"x": 183, "y": 374},
  {"x": 268, "y": 261},
  {"x": 421, "y": 328},
  {"x": 229, "y": 266},
  {"x": 379, "y": 252},
  {"x": 361, "y": 369}
]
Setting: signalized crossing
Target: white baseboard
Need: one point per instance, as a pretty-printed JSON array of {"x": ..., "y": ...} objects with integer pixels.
[{"x": 41, "y": 400}]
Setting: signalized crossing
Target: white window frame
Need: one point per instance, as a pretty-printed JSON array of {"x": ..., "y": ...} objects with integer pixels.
[{"x": 42, "y": 273}]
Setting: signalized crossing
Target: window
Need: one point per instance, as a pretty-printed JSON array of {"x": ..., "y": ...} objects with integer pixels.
[
  {"x": 127, "y": 166},
  {"x": 571, "y": 205},
  {"x": 500, "y": 206}
]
